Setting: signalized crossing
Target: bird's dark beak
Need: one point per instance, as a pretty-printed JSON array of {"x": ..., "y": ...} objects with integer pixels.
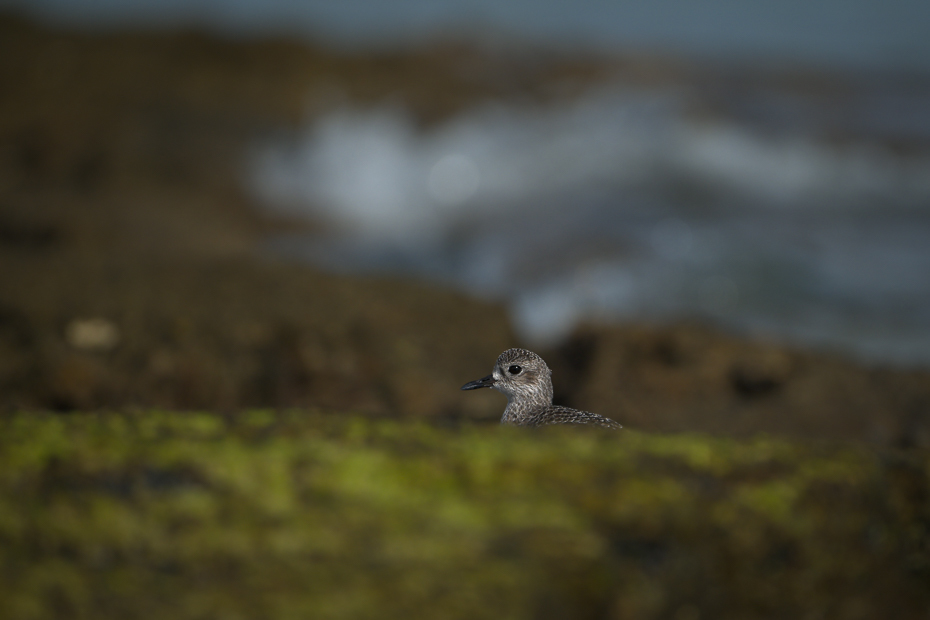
[{"x": 480, "y": 383}]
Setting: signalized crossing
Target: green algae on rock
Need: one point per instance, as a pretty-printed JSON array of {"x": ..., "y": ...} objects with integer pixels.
[{"x": 296, "y": 514}]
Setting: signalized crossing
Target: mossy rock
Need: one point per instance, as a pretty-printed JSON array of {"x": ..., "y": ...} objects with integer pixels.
[{"x": 300, "y": 515}]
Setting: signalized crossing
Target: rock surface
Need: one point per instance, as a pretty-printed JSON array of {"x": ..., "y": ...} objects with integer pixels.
[{"x": 270, "y": 515}]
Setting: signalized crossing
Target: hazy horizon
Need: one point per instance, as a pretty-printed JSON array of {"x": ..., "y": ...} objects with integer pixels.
[{"x": 830, "y": 34}]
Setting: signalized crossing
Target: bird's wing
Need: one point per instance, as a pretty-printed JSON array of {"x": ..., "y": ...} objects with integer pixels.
[{"x": 567, "y": 415}]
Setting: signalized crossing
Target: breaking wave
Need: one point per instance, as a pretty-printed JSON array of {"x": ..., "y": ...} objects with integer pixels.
[{"x": 623, "y": 204}]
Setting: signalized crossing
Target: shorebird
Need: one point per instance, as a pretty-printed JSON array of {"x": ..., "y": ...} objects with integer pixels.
[{"x": 525, "y": 379}]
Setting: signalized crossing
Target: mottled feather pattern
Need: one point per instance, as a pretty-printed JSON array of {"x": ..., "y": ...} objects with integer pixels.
[
  {"x": 517, "y": 355},
  {"x": 555, "y": 414},
  {"x": 525, "y": 379}
]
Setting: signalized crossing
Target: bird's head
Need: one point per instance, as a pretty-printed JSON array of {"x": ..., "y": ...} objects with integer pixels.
[{"x": 518, "y": 374}]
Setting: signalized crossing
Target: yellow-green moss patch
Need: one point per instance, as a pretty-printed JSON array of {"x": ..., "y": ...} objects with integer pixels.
[{"x": 297, "y": 514}]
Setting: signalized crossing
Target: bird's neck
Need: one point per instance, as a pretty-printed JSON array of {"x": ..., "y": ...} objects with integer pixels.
[{"x": 525, "y": 405}]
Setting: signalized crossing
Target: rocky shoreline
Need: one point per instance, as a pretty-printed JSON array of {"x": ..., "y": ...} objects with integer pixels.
[{"x": 122, "y": 209}]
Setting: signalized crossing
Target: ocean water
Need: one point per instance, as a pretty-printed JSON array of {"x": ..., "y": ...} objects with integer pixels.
[
  {"x": 859, "y": 34},
  {"x": 625, "y": 204}
]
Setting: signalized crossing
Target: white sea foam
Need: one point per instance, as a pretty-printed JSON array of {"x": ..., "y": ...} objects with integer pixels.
[{"x": 372, "y": 172}]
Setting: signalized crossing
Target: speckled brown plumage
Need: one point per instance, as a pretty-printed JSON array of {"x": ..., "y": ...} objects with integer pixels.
[{"x": 525, "y": 379}]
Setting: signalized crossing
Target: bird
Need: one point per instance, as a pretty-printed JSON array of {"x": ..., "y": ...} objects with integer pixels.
[{"x": 525, "y": 379}]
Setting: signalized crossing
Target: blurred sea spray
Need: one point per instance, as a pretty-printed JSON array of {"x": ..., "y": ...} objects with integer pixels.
[{"x": 630, "y": 203}]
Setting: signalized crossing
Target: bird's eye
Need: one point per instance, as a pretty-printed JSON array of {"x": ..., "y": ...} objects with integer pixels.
[{"x": 514, "y": 370}]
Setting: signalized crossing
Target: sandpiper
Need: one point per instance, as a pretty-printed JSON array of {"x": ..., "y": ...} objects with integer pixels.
[{"x": 525, "y": 379}]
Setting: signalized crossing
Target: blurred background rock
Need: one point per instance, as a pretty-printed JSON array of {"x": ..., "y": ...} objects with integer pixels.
[{"x": 713, "y": 221}]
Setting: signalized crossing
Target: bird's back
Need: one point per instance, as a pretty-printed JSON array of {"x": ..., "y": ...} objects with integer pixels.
[{"x": 555, "y": 414}]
